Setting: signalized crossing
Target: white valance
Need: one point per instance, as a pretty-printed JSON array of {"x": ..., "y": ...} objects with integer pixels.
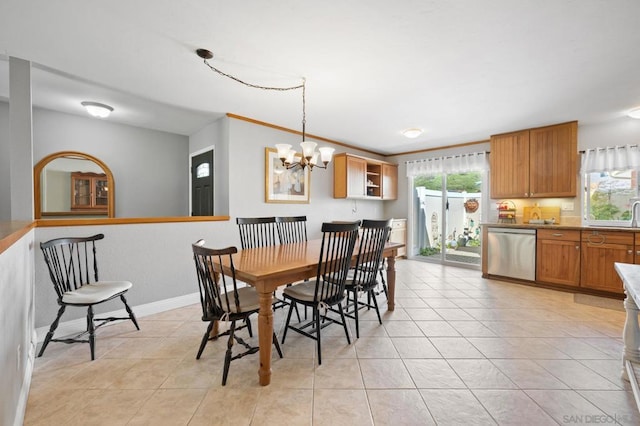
[
  {"x": 473, "y": 162},
  {"x": 610, "y": 159}
]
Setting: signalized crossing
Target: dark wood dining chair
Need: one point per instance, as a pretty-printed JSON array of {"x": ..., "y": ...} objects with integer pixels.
[
  {"x": 73, "y": 269},
  {"x": 262, "y": 232},
  {"x": 362, "y": 277},
  {"x": 257, "y": 231},
  {"x": 223, "y": 300},
  {"x": 328, "y": 289},
  {"x": 291, "y": 229}
]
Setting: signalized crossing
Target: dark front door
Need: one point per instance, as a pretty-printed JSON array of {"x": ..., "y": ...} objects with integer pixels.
[{"x": 202, "y": 184}]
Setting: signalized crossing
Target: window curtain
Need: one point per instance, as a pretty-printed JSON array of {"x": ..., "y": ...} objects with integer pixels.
[
  {"x": 609, "y": 159},
  {"x": 477, "y": 161}
]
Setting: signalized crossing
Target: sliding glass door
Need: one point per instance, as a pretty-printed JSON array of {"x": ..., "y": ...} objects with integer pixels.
[{"x": 446, "y": 217}]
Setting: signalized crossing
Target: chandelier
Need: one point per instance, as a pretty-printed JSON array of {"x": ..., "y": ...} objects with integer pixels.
[{"x": 309, "y": 156}]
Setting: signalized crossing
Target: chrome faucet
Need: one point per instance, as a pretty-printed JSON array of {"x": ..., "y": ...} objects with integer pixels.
[{"x": 634, "y": 214}]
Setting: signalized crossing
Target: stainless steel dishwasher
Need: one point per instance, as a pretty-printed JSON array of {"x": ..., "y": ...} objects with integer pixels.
[{"x": 512, "y": 253}]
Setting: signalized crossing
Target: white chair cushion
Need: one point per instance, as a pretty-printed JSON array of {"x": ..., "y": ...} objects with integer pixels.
[{"x": 96, "y": 292}]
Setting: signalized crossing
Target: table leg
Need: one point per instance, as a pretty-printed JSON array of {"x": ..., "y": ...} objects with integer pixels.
[
  {"x": 630, "y": 335},
  {"x": 391, "y": 282},
  {"x": 265, "y": 333}
]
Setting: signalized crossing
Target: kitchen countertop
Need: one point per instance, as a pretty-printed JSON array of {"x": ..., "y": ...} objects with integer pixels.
[{"x": 560, "y": 226}]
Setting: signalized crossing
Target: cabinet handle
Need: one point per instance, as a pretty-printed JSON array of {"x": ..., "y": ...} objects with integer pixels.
[
  {"x": 629, "y": 251},
  {"x": 602, "y": 239},
  {"x": 526, "y": 194},
  {"x": 638, "y": 253},
  {"x": 577, "y": 247},
  {"x": 557, "y": 234}
]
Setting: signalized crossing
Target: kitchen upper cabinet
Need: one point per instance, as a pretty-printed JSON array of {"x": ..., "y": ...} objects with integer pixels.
[
  {"x": 600, "y": 250},
  {"x": 389, "y": 181},
  {"x": 553, "y": 160},
  {"x": 540, "y": 162},
  {"x": 558, "y": 257},
  {"x": 509, "y": 161},
  {"x": 360, "y": 177}
]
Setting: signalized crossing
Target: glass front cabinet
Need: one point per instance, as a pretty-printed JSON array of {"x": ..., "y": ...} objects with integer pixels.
[{"x": 89, "y": 191}]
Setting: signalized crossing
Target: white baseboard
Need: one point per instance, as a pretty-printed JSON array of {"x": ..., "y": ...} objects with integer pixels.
[{"x": 79, "y": 325}]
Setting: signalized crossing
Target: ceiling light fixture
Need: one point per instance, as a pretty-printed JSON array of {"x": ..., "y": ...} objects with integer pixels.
[
  {"x": 97, "y": 109},
  {"x": 287, "y": 155},
  {"x": 634, "y": 113},
  {"x": 412, "y": 133}
]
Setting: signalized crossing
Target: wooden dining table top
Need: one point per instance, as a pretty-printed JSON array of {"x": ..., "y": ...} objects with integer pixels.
[{"x": 271, "y": 266}]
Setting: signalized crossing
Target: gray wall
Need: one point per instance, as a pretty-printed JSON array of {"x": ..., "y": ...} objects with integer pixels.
[
  {"x": 16, "y": 328},
  {"x": 157, "y": 257},
  {"x": 247, "y": 143},
  {"x": 5, "y": 179},
  {"x": 151, "y": 178}
]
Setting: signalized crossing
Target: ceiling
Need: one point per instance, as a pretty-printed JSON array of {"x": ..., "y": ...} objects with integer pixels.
[{"x": 461, "y": 69}]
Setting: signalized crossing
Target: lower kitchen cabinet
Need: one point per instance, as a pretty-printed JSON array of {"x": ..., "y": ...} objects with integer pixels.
[
  {"x": 600, "y": 250},
  {"x": 558, "y": 257},
  {"x": 398, "y": 234}
]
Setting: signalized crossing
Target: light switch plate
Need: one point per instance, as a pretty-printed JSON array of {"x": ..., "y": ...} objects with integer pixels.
[{"x": 567, "y": 206}]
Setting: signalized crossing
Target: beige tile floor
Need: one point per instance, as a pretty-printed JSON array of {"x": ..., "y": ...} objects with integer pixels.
[{"x": 458, "y": 350}]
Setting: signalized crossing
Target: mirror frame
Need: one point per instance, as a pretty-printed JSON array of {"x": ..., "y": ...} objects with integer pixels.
[{"x": 37, "y": 171}]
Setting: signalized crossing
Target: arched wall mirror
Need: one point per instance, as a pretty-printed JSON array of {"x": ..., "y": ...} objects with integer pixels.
[{"x": 73, "y": 184}]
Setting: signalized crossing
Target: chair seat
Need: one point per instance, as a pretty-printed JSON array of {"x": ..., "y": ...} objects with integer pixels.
[
  {"x": 371, "y": 267},
  {"x": 95, "y": 292},
  {"x": 350, "y": 282},
  {"x": 304, "y": 291},
  {"x": 249, "y": 300}
]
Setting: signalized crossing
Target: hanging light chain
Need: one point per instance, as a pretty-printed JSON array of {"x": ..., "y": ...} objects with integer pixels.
[
  {"x": 285, "y": 153},
  {"x": 280, "y": 89},
  {"x": 256, "y": 86}
]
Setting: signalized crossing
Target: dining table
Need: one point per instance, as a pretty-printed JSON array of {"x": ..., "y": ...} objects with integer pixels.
[{"x": 267, "y": 268}]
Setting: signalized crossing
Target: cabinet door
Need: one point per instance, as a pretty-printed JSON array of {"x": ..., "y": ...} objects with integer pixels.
[
  {"x": 558, "y": 261},
  {"x": 389, "y": 182},
  {"x": 398, "y": 234},
  {"x": 81, "y": 192},
  {"x": 599, "y": 253},
  {"x": 101, "y": 189},
  {"x": 510, "y": 165},
  {"x": 553, "y": 156},
  {"x": 356, "y": 177}
]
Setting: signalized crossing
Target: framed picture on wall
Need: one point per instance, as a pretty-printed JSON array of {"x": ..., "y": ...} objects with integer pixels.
[{"x": 282, "y": 185}]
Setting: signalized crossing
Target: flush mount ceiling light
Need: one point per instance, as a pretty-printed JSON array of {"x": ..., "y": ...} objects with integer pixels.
[
  {"x": 634, "y": 113},
  {"x": 412, "y": 133},
  {"x": 287, "y": 155},
  {"x": 97, "y": 109}
]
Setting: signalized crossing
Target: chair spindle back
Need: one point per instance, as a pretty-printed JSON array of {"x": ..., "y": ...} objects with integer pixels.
[
  {"x": 338, "y": 242},
  {"x": 372, "y": 240},
  {"x": 257, "y": 231},
  {"x": 72, "y": 262},
  {"x": 292, "y": 229},
  {"x": 218, "y": 292}
]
